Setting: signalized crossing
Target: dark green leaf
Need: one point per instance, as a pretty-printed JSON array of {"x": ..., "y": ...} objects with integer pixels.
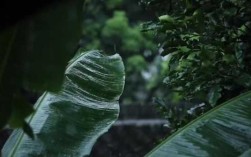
[
  {"x": 28, "y": 130},
  {"x": 244, "y": 80},
  {"x": 21, "y": 110},
  {"x": 35, "y": 52},
  {"x": 47, "y": 42}
]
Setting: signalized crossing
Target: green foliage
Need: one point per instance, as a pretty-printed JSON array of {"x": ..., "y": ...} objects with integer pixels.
[
  {"x": 122, "y": 34},
  {"x": 207, "y": 46},
  {"x": 33, "y": 56},
  {"x": 116, "y": 26},
  {"x": 177, "y": 112},
  {"x": 223, "y": 131},
  {"x": 69, "y": 123},
  {"x": 135, "y": 63},
  {"x": 114, "y": 30},
  {"x": 208, "y": 43},
  {"x": 111, "y": 4}
]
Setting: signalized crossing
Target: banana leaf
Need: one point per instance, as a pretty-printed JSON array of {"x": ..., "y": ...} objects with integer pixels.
[
  {"x": 225, "y": 131},
  {"x": 68, "y": 123},
  {"x": 34, "y": 53}
]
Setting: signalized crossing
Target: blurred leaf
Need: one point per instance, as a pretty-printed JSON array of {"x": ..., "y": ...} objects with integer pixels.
[
  {"x": 35, "y": 52},
  {"x": 147, "y": 26},
  {"x": 223, "y": 131},
  {"x": 246, "y": 153},
  {"x": 214, "y": 95},
  {"x": 69, "y": 123},
  {"x": 135, "y": 63},
  {"x": 228, "y": 58},
  {"x": 111, "y": 4},
  {"x": 21, "y": 110},
  {"x": 239, "y": 54},
  {"x": 48, "y": 40},
  {"x": 244, "y": 80}
]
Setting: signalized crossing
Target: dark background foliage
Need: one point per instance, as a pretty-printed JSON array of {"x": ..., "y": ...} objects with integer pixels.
[{"x": 207, "y": 46}]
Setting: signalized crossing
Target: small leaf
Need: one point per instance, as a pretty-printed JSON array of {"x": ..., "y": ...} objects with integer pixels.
[
  {"x": 166, "y": 18},
  {"x": 228, "y": 58},
  {"x": 239, "y": 54},
  {"x": 214, "y": 95},
  {"x": 184, "y": 49}
]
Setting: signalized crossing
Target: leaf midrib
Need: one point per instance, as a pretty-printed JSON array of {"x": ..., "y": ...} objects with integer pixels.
[{"x": 14, "y": 149}]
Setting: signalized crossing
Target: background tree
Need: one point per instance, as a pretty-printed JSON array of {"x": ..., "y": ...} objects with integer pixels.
[
  {"x": 114, "y": 26},
  {"x": 207, "y": 46}
]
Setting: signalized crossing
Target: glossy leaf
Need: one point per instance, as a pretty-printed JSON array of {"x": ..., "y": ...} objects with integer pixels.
[
  {"x": 68, "y": 123},
  {"x": 223, "y": 131}
]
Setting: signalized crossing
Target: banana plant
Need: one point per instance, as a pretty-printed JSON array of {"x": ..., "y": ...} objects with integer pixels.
[
  {"x": 34, "y": 53},
  {"x": 223, "y": 131},
  {"x": 69, "y": 122}
]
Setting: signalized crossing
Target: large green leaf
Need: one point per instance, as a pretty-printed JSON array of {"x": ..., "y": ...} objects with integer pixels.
[
  {"x": 35, "y": 52},
  {"x": 68, "y": 123},
  {"x": 223, "y": 131}
]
